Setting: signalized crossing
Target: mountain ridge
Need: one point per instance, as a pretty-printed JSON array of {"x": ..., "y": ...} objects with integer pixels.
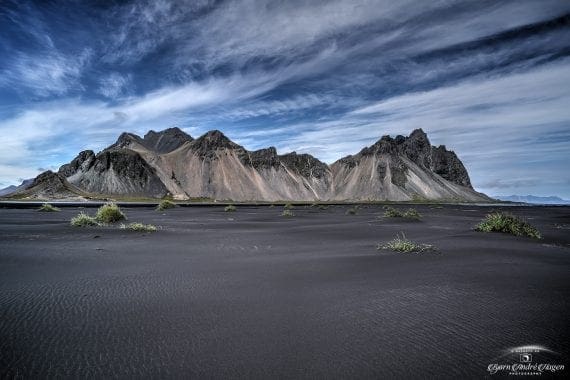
[{"x": 173, "y": 163}]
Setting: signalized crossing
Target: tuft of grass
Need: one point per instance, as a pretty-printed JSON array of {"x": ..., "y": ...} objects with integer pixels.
[
  {"x": 412, "y": 213},
  {"x": 391, "y": 212},
  {"x": 287, "y": 213},
  {"x": 323, "y": 207},
  {"x": 109, "y": 213},
  {"x": 139, "y": 227},
  {"x": 507, "y": 223},
  {"x": 46, "y": 207},
  {"x": 165, "y": 205},
  {"x": 288, "y": 206},
  {"x": 83, "y": 220},
  {"x": 404, "y": 245},
  {"x": 230, "y": 208}
]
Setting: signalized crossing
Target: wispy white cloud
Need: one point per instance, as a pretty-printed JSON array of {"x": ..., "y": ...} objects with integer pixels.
[
  {"x": 51, "y": 73},
  {"x": 114, "y": 85}
]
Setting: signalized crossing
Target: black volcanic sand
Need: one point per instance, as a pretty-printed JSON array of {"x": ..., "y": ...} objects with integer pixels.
[{"x": 252, "y": 294}]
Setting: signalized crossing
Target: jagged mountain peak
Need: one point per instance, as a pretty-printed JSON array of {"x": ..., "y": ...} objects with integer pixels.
[
  {"x": 167, "y": 140},
  {"x": 213, "y": 140},
  {"x": 418, "y": 134},
  {"x": 47, "y": 176},
  {"x": 81, "y": 162},
  {"x": 173, "y": 131},
  {"x": 305, "y": 164},
  {"x": 163, "y": 141}
]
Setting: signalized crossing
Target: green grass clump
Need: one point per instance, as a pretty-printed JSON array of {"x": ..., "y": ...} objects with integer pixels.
[
  {"x": 404, "y": 245},
  {"x": 323, "y": 207},
  {"x": 165, "y": 205},
  {"x": 46, "y": 207},
  {"x": 83, "y": 220},
  {"x": 412, "y": 213},
  {"x": 288, "y": 206},
  {"x": 287, "y": 213},
  {"x": 139, "y": 227},
  {"x": 109, "y": 213},
  {"x": 230, "y": 208},
  {"x": 507, "y": 223},
  {"x": 391, "y": 212}
]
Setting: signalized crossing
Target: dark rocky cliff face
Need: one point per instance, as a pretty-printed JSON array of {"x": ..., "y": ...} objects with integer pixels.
[
  {"x": 121, "y": 171},
  {"x": 83, "y": 161},
  {"x": 305, "y": 165},
  {"x": 416, "y": 147},
  {"x": 261, "y": 159},
  {"x": 446, "y": 164}
]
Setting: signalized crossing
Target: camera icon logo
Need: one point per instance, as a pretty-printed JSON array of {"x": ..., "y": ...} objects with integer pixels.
[{"x": 525, "y": 358}]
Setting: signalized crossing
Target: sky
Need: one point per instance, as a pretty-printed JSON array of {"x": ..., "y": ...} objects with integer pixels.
[{"x": 488, "y": 79}]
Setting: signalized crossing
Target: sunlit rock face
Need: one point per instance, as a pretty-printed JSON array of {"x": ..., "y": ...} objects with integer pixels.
[{"x": 400, "y": 169}]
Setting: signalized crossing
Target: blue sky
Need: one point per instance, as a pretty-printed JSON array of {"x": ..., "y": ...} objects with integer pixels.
[{"x": 489, "y": 79}]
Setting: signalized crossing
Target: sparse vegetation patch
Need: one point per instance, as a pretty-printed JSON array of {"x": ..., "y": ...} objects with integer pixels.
[
  {"x": 139, "y": 227},
  {"x": 411, "y": 213},
  {"x": 110, "y": 213},
  {"x": 288, "y": 206},
  {"x": 83, "y": 220},
  {"x": 507, "y": 223},
  {"x": 391, "y": 212},
  {"x": 230, "y": 208},
  {"x": 46, "y": 207},
  {"x": 404, "y": 245},
  {"x": 165, "y": 205},
  {"x": 287, "y": 213}
]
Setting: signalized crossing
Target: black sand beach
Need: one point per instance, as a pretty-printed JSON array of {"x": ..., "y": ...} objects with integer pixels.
[{"x": 251, "y": 294}]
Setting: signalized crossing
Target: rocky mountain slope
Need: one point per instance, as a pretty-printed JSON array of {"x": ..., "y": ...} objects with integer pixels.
[
  {"x": 49, "y": 185},
  {"x": 172, "y": 163},
  {"x": 400, "y": 169}
]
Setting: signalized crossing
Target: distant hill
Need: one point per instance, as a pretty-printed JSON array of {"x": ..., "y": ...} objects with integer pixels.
[
  {"x": 172, "y": 163},
  {"x": 533, "y": 199},
  {"x": 12, "y": 189}
]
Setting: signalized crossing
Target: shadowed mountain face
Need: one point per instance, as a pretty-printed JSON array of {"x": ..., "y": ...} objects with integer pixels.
[{"x": 171, "y": 162}]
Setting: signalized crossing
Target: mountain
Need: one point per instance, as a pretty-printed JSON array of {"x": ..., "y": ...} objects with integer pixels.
[
  {"x": 401, "y": 169},
  {"x": 50, "y": 185},
  {"x": 12, "y": 189},
  {"x": 533, "y": 199},
  {"x": 172, "y": 163}
]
